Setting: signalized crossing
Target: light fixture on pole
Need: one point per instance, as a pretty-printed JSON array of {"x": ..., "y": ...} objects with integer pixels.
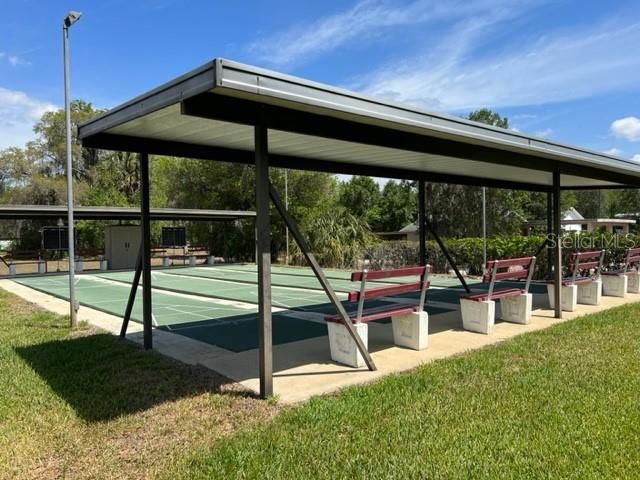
[{"x": 71, "y": 18}]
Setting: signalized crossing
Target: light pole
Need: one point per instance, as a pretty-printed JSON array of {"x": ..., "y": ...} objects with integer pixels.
[{"x": 71, "y": 18}]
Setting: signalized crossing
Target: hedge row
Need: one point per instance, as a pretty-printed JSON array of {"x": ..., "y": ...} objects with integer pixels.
[{"x": 467, "y": 252}]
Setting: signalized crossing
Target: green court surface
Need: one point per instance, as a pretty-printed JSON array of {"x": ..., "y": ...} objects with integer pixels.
[
  {"x": 198, "y": 303},
  {"x": 220, "y": 323},
  {"x": 277, "y": 279},
  {"x": 291, "y": 274},
  {"x": 191, "y": 281}
]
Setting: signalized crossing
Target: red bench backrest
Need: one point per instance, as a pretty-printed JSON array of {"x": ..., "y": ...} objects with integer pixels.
[
  {"x": 585, "y": 260},
  {"x": 385, "y": 290},
  {"x": 632, "y": 256},
  {"x": 525, "y": 262}
]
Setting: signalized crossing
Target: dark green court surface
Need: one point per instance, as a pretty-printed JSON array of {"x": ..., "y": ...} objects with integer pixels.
[{"x": 218, "y": 304}]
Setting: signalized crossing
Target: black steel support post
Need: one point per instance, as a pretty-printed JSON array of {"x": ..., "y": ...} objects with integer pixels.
[
  {"x": 263, "y": 253},
  {"x": 447, "y": 255},
  {"x": 422, "y": 237},
  {"x": 557, "y": 258},
  {"x": 304, "y": 247},
  {"x": 549, "y": 232},
  {"x": 132, "y": 295},
  {"x": 145, "y": 225}
]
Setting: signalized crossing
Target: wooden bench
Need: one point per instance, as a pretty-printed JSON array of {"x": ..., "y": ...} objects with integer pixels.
[
  {"x": 624, "y": 276},
  {"x": 583, "y": 283},
  {"x": 478, "y": 309},
  {"x": 410, "y": 322}
]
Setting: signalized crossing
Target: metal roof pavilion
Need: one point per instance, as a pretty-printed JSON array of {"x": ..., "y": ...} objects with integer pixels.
[
  {"x": 228, "y": 111},
  {"x": 21, "y": 212},
  {"x": 209, "y": 113}
]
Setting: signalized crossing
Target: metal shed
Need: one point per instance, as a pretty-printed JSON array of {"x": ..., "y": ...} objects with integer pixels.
[{"x": 232, "y": 112}]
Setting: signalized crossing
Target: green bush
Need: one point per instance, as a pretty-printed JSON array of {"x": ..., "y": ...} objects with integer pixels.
[{"x": 467, "y": 252}]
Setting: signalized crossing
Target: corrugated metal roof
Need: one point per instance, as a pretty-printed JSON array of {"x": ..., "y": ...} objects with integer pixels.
[{"x": 315, "y": 126}]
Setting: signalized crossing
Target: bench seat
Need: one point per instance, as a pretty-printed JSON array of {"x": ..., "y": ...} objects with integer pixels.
[
  {"x": 577, "y": 281},
  {"x": 375, "y": 313},
  {"x": 501, "y": 293}
]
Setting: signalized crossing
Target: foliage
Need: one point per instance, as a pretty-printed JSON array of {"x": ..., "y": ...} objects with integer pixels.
[
  {"x": 51, "y": 142},
  {"x": 336, "y": 239},
  {"x": 466, "y": 252},
  {"x": 398, "y": 205},
  {"x": 360, "y": 196}
]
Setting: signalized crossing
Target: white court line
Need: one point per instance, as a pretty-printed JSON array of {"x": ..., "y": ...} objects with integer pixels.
[
  {"x": 279, "y": 287},
  {"x": 160, "y": 291}
]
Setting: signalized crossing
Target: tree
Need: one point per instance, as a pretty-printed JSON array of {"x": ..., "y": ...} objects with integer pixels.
[
  {"x": 361, "y": 197},
  {"x": 51, "y": 140},
  {"x": 456, "y": 210},
  {"x": 484, "y": 115},
  {"x": 398, "y": 205}
]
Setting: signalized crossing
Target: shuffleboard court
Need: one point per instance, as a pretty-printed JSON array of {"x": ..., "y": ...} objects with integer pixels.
[
  {"x": 111, "y": 297},
  {"x": 229, "y": 325},
  {"x": 185, "y": 280},
  {"x": 277, "y": 279},
  {"x": 332, "y": 274}
]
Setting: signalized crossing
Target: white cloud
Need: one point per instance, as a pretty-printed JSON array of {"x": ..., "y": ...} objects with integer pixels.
[
  {"x": 546, "y": 133},
  {"x": 452, "y": 74},
  {"x": 613, "y": 151},
  {"x": 13, "y": 60},
  {"x": 18, "y": 114},
  {"x": 366, "y": 19},
  {"x": 636, "y": 157},
  {"x": 627, "y": 128}
]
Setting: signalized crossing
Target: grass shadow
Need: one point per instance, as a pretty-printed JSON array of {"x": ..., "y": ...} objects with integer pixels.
[{"x": 103, "y": 378}]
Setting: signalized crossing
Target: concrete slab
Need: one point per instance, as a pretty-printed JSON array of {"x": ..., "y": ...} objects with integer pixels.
[{"x": 304, "y": 369}]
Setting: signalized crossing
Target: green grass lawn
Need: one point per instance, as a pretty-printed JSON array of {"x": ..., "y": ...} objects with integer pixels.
[
  {"x": 86, "y": 405},
  {"x": 559, "y": 403}
]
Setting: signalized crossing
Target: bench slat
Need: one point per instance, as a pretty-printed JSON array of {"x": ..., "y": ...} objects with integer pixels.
[
  {"x": 517, "y": 275},
  {"x": 354, "y": 296},
  {"x": 510, "y": 262},
  {"x": 502, "y": 293},
  {"x": 396, "y": 272},
  {"x": 585, "y": 265},
  {"x": 587, "y": 255},
  {"x": 376, "y": 313}
]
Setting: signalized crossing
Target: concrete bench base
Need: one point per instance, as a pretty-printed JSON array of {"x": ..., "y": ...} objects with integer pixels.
[
  {"x": 633, "y": 282},
  {"x": 481, "y": 316},
  {"x": 411, "y": 330},
  {"x": 478, "y": 316},
  {"x": 590, "y": 293},
  {"x": 517, "y": 309},
  {"x": 343, "y": 348},
  {"x": 569, "y": 297},
  {"x": 614, "y": 285}
]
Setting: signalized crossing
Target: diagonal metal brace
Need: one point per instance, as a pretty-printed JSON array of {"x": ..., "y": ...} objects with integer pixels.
[
  {"x": 447, "y": 255},
  {"x": 132, "y": 295},
  {"x": 317, "y": 270}
]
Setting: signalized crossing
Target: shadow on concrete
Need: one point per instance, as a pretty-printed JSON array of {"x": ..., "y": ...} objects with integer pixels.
[{"x": 102, "y": 378}]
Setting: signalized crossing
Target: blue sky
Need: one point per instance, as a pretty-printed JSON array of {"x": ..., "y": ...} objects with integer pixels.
[{"x": 564, "y": 69}]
